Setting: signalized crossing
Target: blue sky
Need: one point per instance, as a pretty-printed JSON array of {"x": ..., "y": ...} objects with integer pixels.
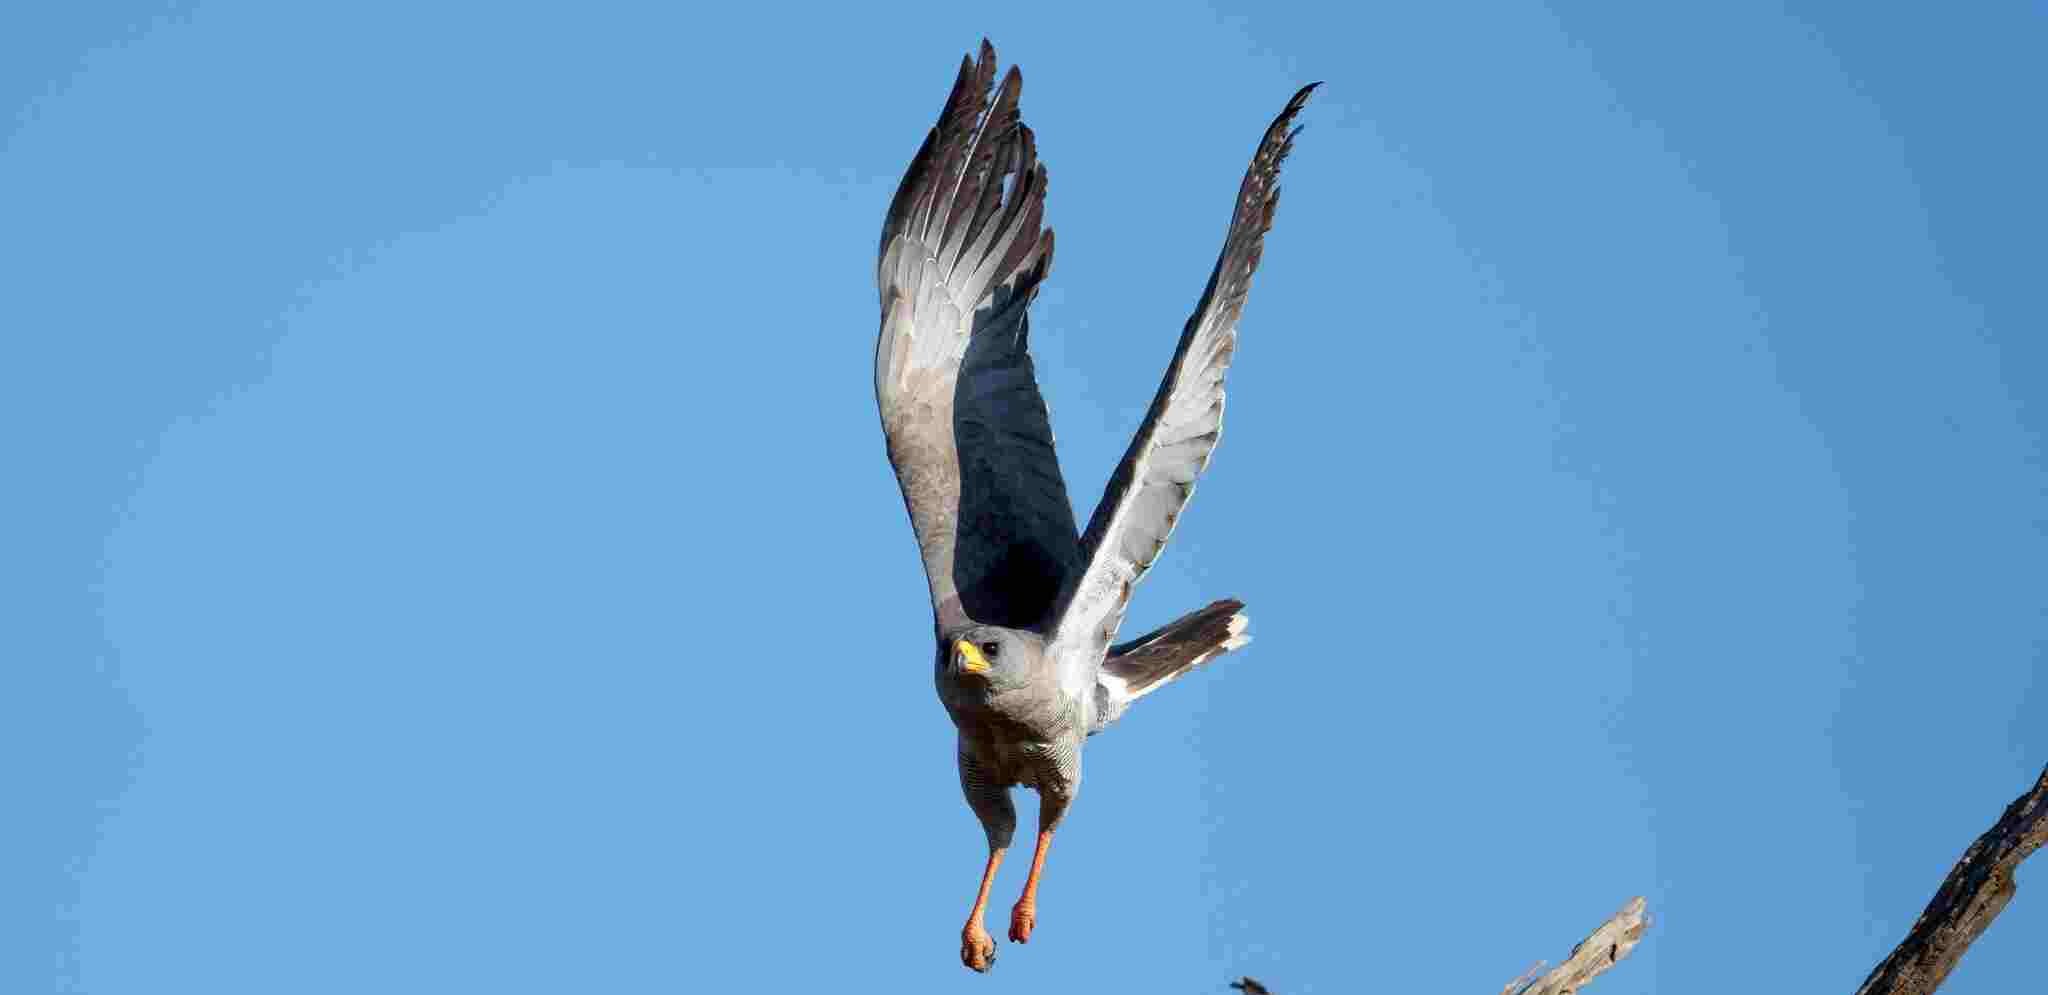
[{"x": 449, "y": 544}]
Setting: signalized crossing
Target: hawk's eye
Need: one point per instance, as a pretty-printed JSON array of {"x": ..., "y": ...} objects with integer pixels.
[{"x": 991, "y": 649}]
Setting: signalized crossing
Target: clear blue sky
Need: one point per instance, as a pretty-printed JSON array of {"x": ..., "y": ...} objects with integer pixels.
[{"x": 448, "y": 544}]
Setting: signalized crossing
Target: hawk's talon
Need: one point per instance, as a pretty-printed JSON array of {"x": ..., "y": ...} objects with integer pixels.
[
  {"x": 977, "y": 949},
  {"x": 1022, "y": 919}
]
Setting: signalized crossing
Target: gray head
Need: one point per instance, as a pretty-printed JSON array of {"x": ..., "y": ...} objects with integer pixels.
[{"x": 989, "y": 657}]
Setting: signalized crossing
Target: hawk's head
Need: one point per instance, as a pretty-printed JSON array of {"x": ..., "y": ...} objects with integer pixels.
[{"x": 989, "y": 657}]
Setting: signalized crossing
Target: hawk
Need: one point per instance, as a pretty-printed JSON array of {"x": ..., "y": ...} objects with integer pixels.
[{"x": 1026, "y": 605}]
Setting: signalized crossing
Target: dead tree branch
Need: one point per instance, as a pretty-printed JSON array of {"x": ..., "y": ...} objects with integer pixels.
[
  {"x": 1976, "y": 890},
  {"x": 1594, "y": 954},
  {"x": 1974, "y": 893}
]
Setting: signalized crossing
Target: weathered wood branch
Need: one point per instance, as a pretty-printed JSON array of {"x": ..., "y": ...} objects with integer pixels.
[
  {"x": 1594, "y": 954},
  {"x": 1975, "y": 891}
]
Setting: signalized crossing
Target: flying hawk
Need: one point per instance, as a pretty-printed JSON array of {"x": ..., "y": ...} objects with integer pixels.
[{"x": 1025, "y": 605}]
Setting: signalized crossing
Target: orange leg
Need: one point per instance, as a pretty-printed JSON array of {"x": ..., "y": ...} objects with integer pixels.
[
  {"x": 977, "y": 950},
  {"x": 1025, "y": 915}
]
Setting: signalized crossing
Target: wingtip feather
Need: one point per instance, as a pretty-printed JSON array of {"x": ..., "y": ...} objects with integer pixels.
[{"x": 975, "y": 193}]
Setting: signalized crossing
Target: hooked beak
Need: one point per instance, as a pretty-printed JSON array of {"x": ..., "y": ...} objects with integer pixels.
[{"x": 967, "y": 657}]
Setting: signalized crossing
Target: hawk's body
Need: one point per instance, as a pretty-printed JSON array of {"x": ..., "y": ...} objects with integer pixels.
[{"x": 1025, "y": 604}]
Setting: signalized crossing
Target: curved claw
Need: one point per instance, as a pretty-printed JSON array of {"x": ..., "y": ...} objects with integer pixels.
[
  {"x": 1022, "y": 919},
  {"x": 977, "y": 949}
]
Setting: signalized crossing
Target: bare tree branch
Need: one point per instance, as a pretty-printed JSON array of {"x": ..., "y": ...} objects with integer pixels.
[
  {"x": 1594, "y": 954},
  {"x": 1976, "y": 890},
  {"x": 1974, "y": 893}
]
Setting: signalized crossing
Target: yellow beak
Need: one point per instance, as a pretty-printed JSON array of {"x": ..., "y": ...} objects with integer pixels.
[{"x": 969, "y": 657}]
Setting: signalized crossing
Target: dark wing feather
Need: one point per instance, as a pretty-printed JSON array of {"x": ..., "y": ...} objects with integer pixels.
[
  {"x": 1153, "y": 483},
  {"x": 962, "y": 254}
]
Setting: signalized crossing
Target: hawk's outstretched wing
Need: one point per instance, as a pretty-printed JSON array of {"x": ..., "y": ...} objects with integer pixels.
[
  {"x": 1152, "y": 484},
  {"x": 961, "y": 256}
]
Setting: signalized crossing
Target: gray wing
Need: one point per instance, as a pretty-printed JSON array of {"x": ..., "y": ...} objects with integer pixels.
[
  {"x": 1153, "y": 483},
  {"x": 961, "y": 256}
]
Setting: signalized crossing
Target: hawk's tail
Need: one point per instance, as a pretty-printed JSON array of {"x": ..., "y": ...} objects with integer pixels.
[{"x": 1139, "y": 667}]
